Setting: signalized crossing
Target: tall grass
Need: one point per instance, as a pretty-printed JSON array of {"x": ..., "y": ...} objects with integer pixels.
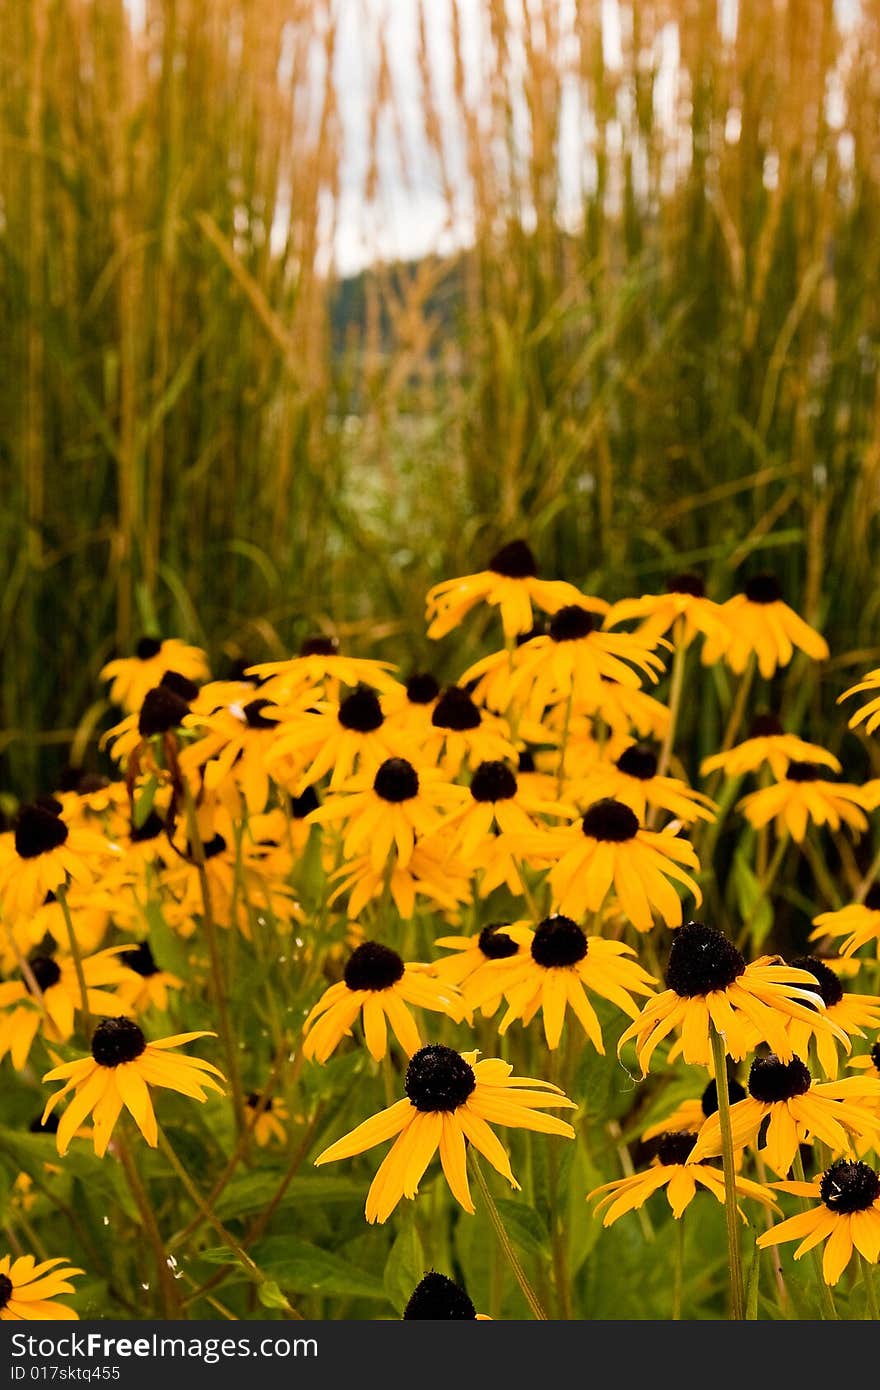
[{"x": 660, "y": 351}]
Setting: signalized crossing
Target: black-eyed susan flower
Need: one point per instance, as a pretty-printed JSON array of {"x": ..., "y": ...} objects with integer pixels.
[
  {"x": 759, "y": 621},
  {"x": 23, "y": 1011},
  {"x": 670, "y": 1169},
  {"x": 632, "y": 779},
  {"x": 708, "y": 981},
  {"x": 269, "y": 1116},
  {"x": 237, "y": 740},
  {"x": 853, "y": 926},
  {"x": 120, "y": 1071},
  {"x": 767, "y": 743},
  {"x": 557, "y": 969},
  {"x": 804, "y": 796},
  {"x": 450, "y": 1098},
  {"x": 869, "y": 714},
  {"x": 409, "y": 708},
  {"x": 379, "y": 986},
  {"x": 690, "y": 1115},
  {"x": 510, "y": 583},
  {"x": 870, "y": 1062},
  {"x": 321, "y": 664},
  {"x": 847, "y": 1219},
  {"x": 440, "y": 1299},
  {"x": 133, "y": 676},
  {"x": 684, "y": 605},
  {"x": 497, "y": 804},
  {"x": 28, "y": 1289},
  {"x": 147, "y": 985},
  {"x": 42, "y": 855},
  {"x": 607, "y": 848},
  {"x": 462, "y": 734},
  {"x": 428, "y": 874},
  {"x": 574, "y": 659},
  {"x": 339, "y": 738},
  {"x": 796, "y": 1109},
  {"x": 471, "y": 961},
  {"x": 850, "y": 1013},
  {"x": 385, "y": 810}
]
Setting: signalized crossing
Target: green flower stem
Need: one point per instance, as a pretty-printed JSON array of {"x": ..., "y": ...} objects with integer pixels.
[
  {"x": 243, "y": 1258},
  {"x": 563, "y": 746},
  {"x": 870, "y": 1291},
  {"x": 731, "y": 1211},
  {"x": 61, "y": 895},
  {"x": 737, "y": 711},
  {"x": 504, "y": 1241},
  {"x": 826, "y": 1298},
  {"x": 764, "y": 888},
  {"x": 167, "y": 1283},
  {"x": 218, "y": 983},
  {"x": 678, "y": 1269},
  {"x": 676, "y": 686}
]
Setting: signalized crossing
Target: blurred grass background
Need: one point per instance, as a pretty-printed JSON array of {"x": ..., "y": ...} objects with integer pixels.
[{"x": 205, "y": 432}]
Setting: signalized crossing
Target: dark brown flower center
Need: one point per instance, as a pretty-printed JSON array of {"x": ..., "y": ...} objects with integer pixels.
[
  {"x": 373, "y": 966},
  {"x": 639, "y": 760},
  {"x": 701, "y": 960},
  {"x": 38, "y": 831},
  {"x": 771, "y": 1081},
  {"x": 117, "y": 1040},
  {"x": 438, "y": 1298},
  {"x": 571, "y": 624},
  {"x": 140, "y": 959},
  {"x": 162, "y": 710},
  {"x": 765, "y": 726},
  {"x": 829, "y": 986},
  {"x": 438, "y": 1078},
  {"x": 687, "y": 583},
  {"x": 256, "y": 719},
  {"x": 805, "y": 772},
  {"x": 179, "y": 685},
  {"x": 495, "y": 944},
  {"x": 762, "y": 588},
  {"x": 875, "y": 1056},
  {"x": 455, "y": 710},
  {"x": 493, "y": 781},
  {"x": 216, "y": 845},
  {"x": 6, "y": 1291},
  {"x": 360, "y": 711},
  {"x": 674, "y": 1146},
  {"x": 45, "y": 971},
  {"x": 319, "y": 645},
  {"x": 254, "y": 1099},
  {"x": 422, "y": 688},
  {"x": 558, "y": 941},
  {"x": 396, "y": 781},
  {"x": 515, "y": 561},
  {"x": 151, "y": 828},
  {"x": 709, "y": 1098},
  {"x": 610, "y": 820},
  {"x": 872, "y": 898},
  {"x": 848, "y": 1186},
  {"x": 304, "y": 805},
  {"x": 148, "y": 647}
]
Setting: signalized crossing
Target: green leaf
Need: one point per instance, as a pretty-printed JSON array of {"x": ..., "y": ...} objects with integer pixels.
[
  {"x": 753, "y": 906},
  {"x": 144, "y": 804},
  {"x": 404, "y": 1268},
  {"x": 271, "y": 1296},
  {"x": 524, "y": 1226},
  {"x": 168, "y": 950},
  {"x": 254, "y": 1191},
  {"x": 302, "y": 1268}
]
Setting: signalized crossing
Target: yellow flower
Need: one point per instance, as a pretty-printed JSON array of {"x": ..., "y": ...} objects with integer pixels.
[
  {"x": 708, "y": 981},
  {"x": 55, "y": 1008},
  {"x": 378, "y": 985},
  {"x": 337, "y": 738},
  {"x": 555, "y": 971},
  {"x": 43, "y": 854},
  {"x": 858, "y": 922},
  {"x": 145, "y": 986},
  {"x": 848, "y": 1012},
  {"x": 869, "y": 714},
  {"x": 28, "y": 1290},
  {"x": 607, "y": 848},
  {"x": 133, "y": 676},
  {"x": 461, "y": 733},
  {"x": 450, "y": 1098},
  {"x": 847, "y": 1219},
  {"x": 269, "y": 1116},
  {"x": 802, "y": 797},
  {"x": 758, "y": 621},
  {"x": 238, "y": 738},
  {"x": 385, "y": 810},
  {"x": 684, "y": 604},
  {"x": 510, "y": 583},
  {"x": 796, "y": 1109},
  {"x": 632, "y": 779},
  {"x": 470, "y": 967},
  {"x": 767, "y": 743},
  {"x": 121, "y": 1069},
  {"x": 691, "y": 1115},
  {"x": 428, "y": 873},
  {"x": 319, "y": 664},
  {"x": 671, "y": 1169}
]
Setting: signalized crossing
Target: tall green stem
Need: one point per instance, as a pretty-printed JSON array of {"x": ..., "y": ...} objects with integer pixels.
[
  {"x": 676, "y": 686},
  {"x": 678, "y": 1269},
  {"x": 505, "y": 1243},
  {"x": 731, "y": 1211},
  {"x": 61, "y": 895}
]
